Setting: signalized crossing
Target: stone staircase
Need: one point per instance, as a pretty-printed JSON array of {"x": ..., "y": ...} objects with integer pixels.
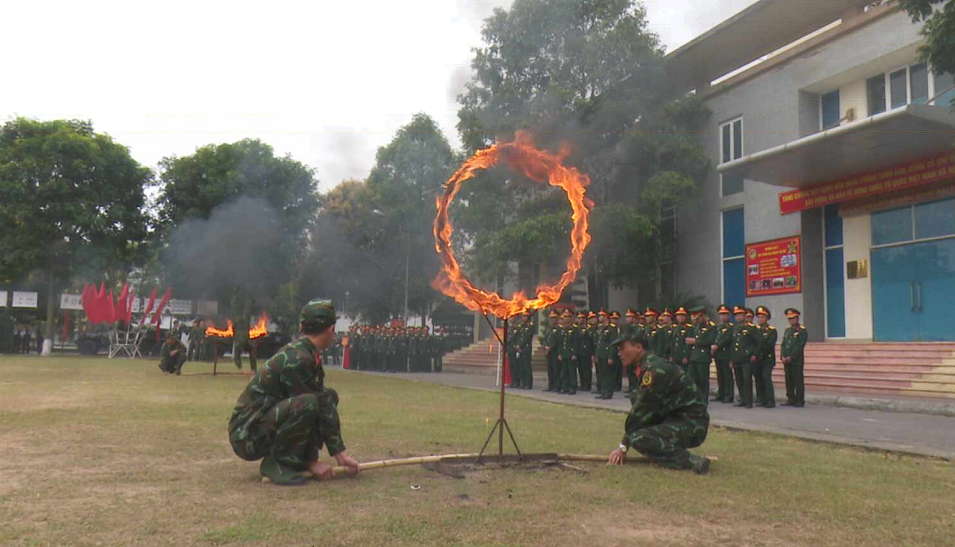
[{"x": 911, "y": 370}]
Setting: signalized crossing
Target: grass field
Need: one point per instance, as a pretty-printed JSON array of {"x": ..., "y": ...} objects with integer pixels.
[{"x": 100, "y": 452}]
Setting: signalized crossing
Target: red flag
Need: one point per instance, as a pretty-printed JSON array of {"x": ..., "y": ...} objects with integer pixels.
[
  {"x": 110, "y": 308},
  {"x": 129, "y": 305},
  {"x": 103, "y": 305},
  {"x": 120, "y": 311},
  {"x": 149, "y": 308},
  {"x": 87, "y": 300},
  {"x": 162, "y": 304}
]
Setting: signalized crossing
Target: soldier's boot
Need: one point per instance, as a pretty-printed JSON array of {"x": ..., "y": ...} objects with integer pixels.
[
  {"x": 280, "y": 474},
  {"x": 700, "y": 464}
]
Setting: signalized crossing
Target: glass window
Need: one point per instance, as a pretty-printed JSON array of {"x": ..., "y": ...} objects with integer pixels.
[
  {"x": 936, "y": 219},
  {"x": 732, "y": 184},
  {"x": 727, "y": 144},
  {"x": 835, "y": 294},
  {"x": 875, "y": 94},
  {"x": 737, "y": 139},
  {"x": 668, "y": 280},
  {"x": 734, "y": 282},
  {"x": 892, "y": 226},
  {"x": 831, "y": 113},
  {"x": 944, "y": 82},
  {"x": 918, "y": 77},
  {"x": 898, "y": 86},
  {"x": 733, "y": 235},
  {"x": 833, "y": 226}
]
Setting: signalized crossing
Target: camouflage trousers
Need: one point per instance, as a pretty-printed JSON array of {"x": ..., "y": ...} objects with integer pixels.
[
  {"x": 240, "y": 344},
  {"x": 293, "y": 431},
  {"x": 173, "y": 363},
  {"x": 666, "y": 444}
]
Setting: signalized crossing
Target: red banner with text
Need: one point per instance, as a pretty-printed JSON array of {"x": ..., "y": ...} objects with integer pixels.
[
  {"x": 773, "y": 267},
  {"x": 900, "y": 177}
]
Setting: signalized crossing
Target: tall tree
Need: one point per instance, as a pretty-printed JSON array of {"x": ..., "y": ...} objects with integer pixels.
[
  {"x": 939, "y": 31},
  {"x": 235, "y": 216},
  {"x": 589, "y": 73},
  {"x": 71, "y": 203}
]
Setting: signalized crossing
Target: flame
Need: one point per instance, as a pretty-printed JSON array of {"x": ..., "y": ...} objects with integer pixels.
[
  {"x": 537, "y": 165},
  {"x": 260, "y": 329}
]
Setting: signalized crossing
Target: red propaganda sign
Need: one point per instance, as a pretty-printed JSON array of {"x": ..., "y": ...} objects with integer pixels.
[
  {"x": 900, "y": 177},
  {"x": 773, "y": 267}
]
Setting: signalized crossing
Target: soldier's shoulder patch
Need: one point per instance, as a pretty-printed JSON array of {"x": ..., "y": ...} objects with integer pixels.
[
  {"x": 772, "y": 327},
  {"x": 647, "y": 379}
]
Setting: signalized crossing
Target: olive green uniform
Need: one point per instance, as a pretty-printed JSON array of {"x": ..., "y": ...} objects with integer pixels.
[
  {"x": 745, "y": 346},
  {"x": 701, "y": 355},
  {"x": 679, "y": 351},
  {"x": 794, "y": 342},
  {"x": 172, "y": 363},
  {"x": 585, "y": 355},
  {"x": 766, "y": 361},
  {"x": 724, "y": 367},
  {"x": 567, "y": 357}
]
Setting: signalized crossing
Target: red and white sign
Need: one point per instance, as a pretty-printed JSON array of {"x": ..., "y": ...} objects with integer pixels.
[{"x": 773, "y": 267}]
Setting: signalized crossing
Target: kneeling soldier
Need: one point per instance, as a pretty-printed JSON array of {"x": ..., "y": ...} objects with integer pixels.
[
  {"x": 668, "y": 415},
  {"x": 173, "y": 356},
  {"x": 286, "y": 414}
]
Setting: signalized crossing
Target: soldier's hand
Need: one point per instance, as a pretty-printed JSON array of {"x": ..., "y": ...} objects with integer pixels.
[
  {"x": 689, "y": 340},
  {"x": 321, "y": 470},
  {"x": 752, "y": 359},
  {"x": 686, "y": 361},
  {"x": 714, "y": 349},
  {"x": 617, "y": 457},
  {"x": 345, "y": 460}
]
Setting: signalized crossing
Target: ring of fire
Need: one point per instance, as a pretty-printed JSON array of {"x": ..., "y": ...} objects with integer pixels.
[{"x": 540, "y": 166}]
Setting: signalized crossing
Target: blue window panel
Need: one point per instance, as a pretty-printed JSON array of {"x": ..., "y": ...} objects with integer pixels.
[
  {"x": 733, "y": 234},
  {"x": 833, "y": 226},
  {"x": 835, "y": 294},
  {"x": 831, "y": 112},
  {"x": 875, "y": 94},
  {"x": 893, "y": 226},
  {"x": 935, "y": 219},
  {"x": 943, "y": 82},
  {"x": 732, "y": 184},
  {"x": 918, "y": 78},
  {"x": 898, "y": 87},
  {"x": 734, "y": 282}
]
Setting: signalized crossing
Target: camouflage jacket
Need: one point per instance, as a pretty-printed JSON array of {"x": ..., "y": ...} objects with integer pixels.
[
  {"x": 294, "y": 370},
  {"x": 168, "y": 348},
  {"x": 665, "y": 393}
]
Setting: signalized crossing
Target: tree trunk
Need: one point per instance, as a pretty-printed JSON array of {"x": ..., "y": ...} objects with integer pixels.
[{"x": 50, "y": 319}]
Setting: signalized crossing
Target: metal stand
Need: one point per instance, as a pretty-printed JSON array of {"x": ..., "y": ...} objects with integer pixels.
[
  {"x": 125, "y": 341},
  {"x": 501, "y": 424}
]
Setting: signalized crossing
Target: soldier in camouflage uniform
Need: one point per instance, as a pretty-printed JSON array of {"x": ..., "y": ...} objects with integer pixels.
[
  {"x": 567, "y": 354},
  {"x": 668, "y": 415},
  {"x": 286, "y": 414},
  {"x": 722, "y": 351},
  {"x": 794, "y": 342},
  {"x": 173, "y": 355}
]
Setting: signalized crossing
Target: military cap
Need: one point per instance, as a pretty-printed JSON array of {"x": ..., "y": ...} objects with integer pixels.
[
  {"x": 763, "y": 310},
  {"x": 318, "y": 313},
  {"x": 697, "y": 310},
  {"x": 581, "y": 313},
  {"x": 615, "y": 315},
  {"x": 792, "y": 312},
  {"x": 566, "y": 313},
  {"x": 724, "y": 309},
  {"x": 651, "y": 312},
  {"x": 739, "y": 310},
  {"x": 631, "y": 313},
  {"x": 591, "y": 315},
  {"x": 680, "y": 311},
  {"x": 666, "y": 313},
  {"x": 749, "y": 311},
  {"x": 603, "y": 313},
  {"x": 553, "y": 313}
]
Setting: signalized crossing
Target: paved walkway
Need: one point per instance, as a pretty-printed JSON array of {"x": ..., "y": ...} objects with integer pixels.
[{"x": 929, "y": 435}]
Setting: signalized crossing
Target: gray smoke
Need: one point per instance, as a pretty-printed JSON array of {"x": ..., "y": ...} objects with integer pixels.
[{"x": 239, "y": 245}]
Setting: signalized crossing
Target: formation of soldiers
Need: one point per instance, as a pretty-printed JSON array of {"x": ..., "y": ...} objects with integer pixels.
[
  {"x": 396, "y": 349},
  {"x": 744, "y": 351}
]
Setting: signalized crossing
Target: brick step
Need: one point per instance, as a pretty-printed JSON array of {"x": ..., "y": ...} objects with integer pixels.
[
  {"x": 898, "y": 377},
  {"x": 879, "y": 369},
  {"x": 871, "y": 361},
  {"x": 889, "y": 346},
  {"x": 914, "y": 354}
]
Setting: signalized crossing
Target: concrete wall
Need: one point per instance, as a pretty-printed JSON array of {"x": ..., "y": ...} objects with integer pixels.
[
  {"x": 857, "y": 237},
  {"x": 780, "y": 106}
]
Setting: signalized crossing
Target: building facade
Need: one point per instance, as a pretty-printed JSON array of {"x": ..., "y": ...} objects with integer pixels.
[{"x": 834, "y": 191}]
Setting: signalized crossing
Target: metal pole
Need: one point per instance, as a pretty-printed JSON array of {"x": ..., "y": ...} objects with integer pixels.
[
  {"x": 407, "y": 260},
  {"x": 500, "y": 436}
]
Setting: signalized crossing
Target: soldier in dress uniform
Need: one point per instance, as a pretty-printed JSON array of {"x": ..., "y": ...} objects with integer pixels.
[
  {"x": 679, "y": 350},
  {"x": 794, "y": 342},
  {"x": 618, "y": 330},
  {"x": 585, "y": 351},
  {"x": 634, "y": 326},
  {"x": 722, "y": 351},
  {"x": 567, "y": 354},
  {"x": 602, "y": 358},
  {"x": 766, "y": 359},
  {"x": 526, "y": 335},
  {"x": 664, "y": 335},
  {"x": 744, "y": 356},
  {"x": 651, "y": 329},
  {"x": 550, "y": 341},
  {"x": 701, "y": 340}
]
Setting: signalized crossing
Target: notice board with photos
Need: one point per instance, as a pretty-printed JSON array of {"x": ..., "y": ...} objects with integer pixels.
[{"x": 774, "y": 267}]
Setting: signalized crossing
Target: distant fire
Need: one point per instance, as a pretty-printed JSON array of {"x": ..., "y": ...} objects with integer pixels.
[{"x": 260, "y": 329}]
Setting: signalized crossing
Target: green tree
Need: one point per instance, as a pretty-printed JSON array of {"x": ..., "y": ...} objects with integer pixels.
[
  {"x": 939, "y": 31},
  {"x": 589, "y": 73},
  {"x": 258, "y": 205},
  {"x": 71, "y": 204}
]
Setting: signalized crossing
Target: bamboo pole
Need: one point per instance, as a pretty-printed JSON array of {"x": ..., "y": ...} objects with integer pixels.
[{"x": 419, "y": 460}]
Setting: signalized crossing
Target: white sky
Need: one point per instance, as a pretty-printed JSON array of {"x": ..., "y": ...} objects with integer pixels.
[{"x": 325, "y": 81}]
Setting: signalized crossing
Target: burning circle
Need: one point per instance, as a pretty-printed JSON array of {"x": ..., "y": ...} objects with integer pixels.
[{"x": 540, "y": 166}]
